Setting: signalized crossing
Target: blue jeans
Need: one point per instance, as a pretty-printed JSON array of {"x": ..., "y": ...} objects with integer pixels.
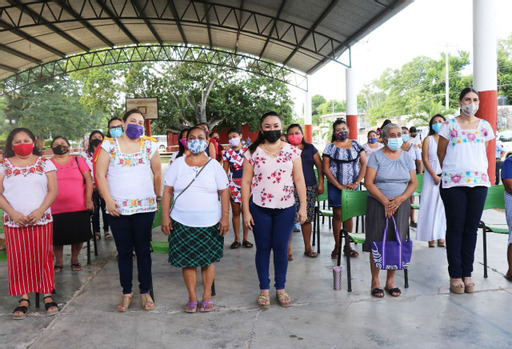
[
  {"x": 463, "y": 209},
  {"x": 272, "y": 230},
  {"x": 133, "y": 232}
]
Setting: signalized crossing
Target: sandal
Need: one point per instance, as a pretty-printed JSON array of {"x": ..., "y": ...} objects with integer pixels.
[
  {"x": 49, "y": 305},
  {"x": 334, "y": 253},
  {"x": 395, "y": 290},
  {"x": 432, "y": 243},
  {"x": 206, "y": 307},
  {"x": 235, "y": 245},
  {"x": 283, "y": 299},
  {"x": 457, "y": 287},
  {"x": 469, "y": 285},
  {"x": 97, "y": 235},
  {"x": 108, "y": 236},
  {"x": 290, "y": 257},
  {"x": 124, "y": 302},
  {"x": 147, "y": 302},
  {"x": 58, "y": 268},
  {"x": 508, "y": 277},
  {"x": 21, "y": 308},
  {"x": 310, "y": 254},
  {"x": 440, "y": 243},
  {"x": 378, "y": 292},
  {"x": 247, "y": 244},
  {"x": 263, "y": 301},
  {"x": 76, "y": 266},
  {"x": 352, "y": 253},
  {"x": 191, "y": 307}
]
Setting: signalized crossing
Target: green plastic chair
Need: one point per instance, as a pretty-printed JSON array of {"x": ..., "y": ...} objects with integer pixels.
[
  {"x": 419, "y": 188},
  {"x": 495, "y": 200}
]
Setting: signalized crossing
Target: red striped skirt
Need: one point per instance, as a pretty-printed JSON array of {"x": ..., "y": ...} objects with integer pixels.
[{"x": 30, "y": 259}]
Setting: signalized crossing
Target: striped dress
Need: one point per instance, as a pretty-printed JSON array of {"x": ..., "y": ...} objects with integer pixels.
[{"x": 29, "y": 248}]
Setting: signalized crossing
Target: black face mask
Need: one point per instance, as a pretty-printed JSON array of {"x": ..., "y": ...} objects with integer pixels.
[
  {"x": 60, "y": 150},
  {"x": 96, "y": 142},
  {"x": 272, "y": 136}
]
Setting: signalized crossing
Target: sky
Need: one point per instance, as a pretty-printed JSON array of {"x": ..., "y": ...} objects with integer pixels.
[{"x": 424, "y": 28}]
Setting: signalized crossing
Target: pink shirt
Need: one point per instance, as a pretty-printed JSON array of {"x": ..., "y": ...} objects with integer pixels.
[
  {"x": 70, "y": 181},
  {"x": 272, "y": 182}
]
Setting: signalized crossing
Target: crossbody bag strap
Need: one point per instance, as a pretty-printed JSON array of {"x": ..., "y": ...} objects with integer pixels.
[{"x": 197, "y": 175}]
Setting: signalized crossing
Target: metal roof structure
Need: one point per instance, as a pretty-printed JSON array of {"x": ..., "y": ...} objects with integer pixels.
[{"x": 301, "y": 35}]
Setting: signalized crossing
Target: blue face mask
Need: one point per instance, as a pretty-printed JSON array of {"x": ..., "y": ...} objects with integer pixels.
[
  {"x": 395, "y": 143},
  {"x": 197, "y": 146},
  {"x": 405, "y": 138},
  {"x": 437, "y": 126},
  {"x": 116, "y": 132},
  {"x": 372, "y": 140}
]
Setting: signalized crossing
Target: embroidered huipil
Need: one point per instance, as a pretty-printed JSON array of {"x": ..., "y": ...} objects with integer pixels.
[
  {"x": 272, "y": 182},
  {"x": 130, "y": 178},
  {"x": 465, "y": 163},
  {"x": 25, "y": 188}
]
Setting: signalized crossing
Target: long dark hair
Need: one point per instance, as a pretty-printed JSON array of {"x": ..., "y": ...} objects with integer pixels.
[
  {"x": 303, "y": 142},
  {"x": 336, "y": 123},
  {"x": 60, "y": 137},
  {"x": 466, "y": 91},
  {"x": 90, "y": 150},
  {"x": 431, "y": 122},
  {"x": 9, "y": 153},
  {"x": 181, "y": 147},
  {"x": 109, "y": 122},
  {"x": 260, "y": 139},
  {"x": 132, "y": 111}
]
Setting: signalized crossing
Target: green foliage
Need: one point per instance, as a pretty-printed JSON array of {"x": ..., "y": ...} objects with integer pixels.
[
  {"x": 330, "y": 107},
  {"x": 426, "y": 110},
  {"x": 417, "y": 88},
  {"x": 505, "y": 68},
  {"x": 316, "y": 101}
]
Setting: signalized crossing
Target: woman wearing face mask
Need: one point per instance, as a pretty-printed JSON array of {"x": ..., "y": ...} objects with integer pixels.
[
  {"x": 198, "y": 220},
  {"x": 129, "y": 179},
  {"x": 431, "y": 218},
  {"x": 372, "y": 145},
  {"x": 28, "y": 186},
  {"x": 233, "y": 165},
  {"x": 115, "y": 130},
  {"x": 464, "y": 182},
  {"x": 310, "y": 158},
  {"x": 344, "y": 166},
  {"x": 415, "y": 154},
  {"x": 95, "y": 139},
  {"x": 390, "y": 180},
  {"x": 211, "y": 150},
  {"x": 271, "y": 168},
  {"x": 72, "y": 207},
  {"x": 182, "y": 146}
]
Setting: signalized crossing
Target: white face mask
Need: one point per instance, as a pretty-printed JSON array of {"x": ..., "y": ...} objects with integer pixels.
[
  {"x": 234, "y": 142},
  {"x": 469, "y": 109}
]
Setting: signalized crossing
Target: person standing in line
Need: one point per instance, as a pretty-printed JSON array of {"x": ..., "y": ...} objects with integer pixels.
[
  {"x": 28, "y": 186},
  {"x": 500, "y": 150},
  {"x": 129, "y": 179},
  {"x": 271, "y": 168},
  {"x": 211, "y": 151},
  {"x": 182, "y": 146},
  {"x": 344, "y": 166},
  {"x": 73, "y": 206},
  {"x": 415, "y": 137},
  {"x": 464, "y": 182},
  {"x": 95, "y": 139},
  {"x": 372, "y": 145},
  {"x": 506, "y": 177},
  {"x": 415, "y": 154},
  {"x": 310, "y": 158},
  {"x": 431, "y": 218},
  {"x": 199, "y": 218},
  {"x": 233, "y": 165}
]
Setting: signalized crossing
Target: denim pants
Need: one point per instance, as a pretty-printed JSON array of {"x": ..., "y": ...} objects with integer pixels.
[
  {"x": 133, "y": 232},
  {"x": 99, "y": 204},
  {"x": 272, "y": 229},
  {"x": 463, "y": 209}
]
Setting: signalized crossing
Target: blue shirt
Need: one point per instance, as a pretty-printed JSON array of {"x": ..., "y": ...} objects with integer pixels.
[
  {"x": 506, "y": 168},
  {"x": 308, "y": 163}
]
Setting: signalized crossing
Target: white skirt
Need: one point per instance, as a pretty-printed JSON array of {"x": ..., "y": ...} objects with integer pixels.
[{"x": 431, "y": 218}]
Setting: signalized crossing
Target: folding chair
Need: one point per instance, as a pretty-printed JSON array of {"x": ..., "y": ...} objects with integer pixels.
[
  {"x": 417, "y": 192},
  {"x": 321, "y": 199},
  {"x": 495, "y": 200}
]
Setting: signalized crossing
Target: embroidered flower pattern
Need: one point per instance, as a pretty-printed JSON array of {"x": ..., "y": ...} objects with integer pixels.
[
  {"x": 466, "y": 177},
  {"x": 36, "y": 168},
  {"x": 467, "y": 136}
]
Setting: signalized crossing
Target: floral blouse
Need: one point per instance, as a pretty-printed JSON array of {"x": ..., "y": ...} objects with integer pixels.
[
  {"x": 272, "y": 182},
  {"x": 465, "y": 163},
  {"x": 25, "y": 188}
]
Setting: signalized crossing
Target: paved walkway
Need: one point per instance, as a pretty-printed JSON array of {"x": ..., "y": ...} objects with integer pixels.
[{"x": 425, "y": 316}]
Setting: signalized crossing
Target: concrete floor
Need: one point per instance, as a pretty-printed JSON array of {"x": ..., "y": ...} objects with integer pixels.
[{"x": 425, "y": 316}]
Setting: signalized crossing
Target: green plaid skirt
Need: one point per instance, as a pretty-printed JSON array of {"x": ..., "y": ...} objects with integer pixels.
[{"x": 195, "y": 246}]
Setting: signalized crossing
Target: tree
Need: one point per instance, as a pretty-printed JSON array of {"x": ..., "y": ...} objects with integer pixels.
[
  {"x": 505, "y": 68},
  {"x": 331, "y": 107},
  {"x": 316, "y": 101},
  {"x": 426, "y": 110}
]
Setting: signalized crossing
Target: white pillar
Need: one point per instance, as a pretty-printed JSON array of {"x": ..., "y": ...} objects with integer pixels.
[
  {"x": 485, "y": 69},
  {"x": 350, "y": 78},
  {"x": 308, "y": 127}
]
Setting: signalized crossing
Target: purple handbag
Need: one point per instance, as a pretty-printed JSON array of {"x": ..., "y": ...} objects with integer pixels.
[{"x": 391, "y": 255}]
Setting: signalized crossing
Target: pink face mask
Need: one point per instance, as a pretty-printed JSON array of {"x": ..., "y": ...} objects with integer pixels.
[
  {"x": 184, "y": 143},
  {"x": 295, "y": 139}
]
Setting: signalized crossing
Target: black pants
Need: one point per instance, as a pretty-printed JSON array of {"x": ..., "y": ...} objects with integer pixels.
[{"x": 99, "y": 204}]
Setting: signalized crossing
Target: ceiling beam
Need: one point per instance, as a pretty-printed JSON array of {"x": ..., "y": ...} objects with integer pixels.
[
  {"x": 20, "y": 54},
  {"x": 148, "y": 23},
  {"x": 8, "y": 68},
  {"x": 239, "y": 25},
  {"x": 207, "y": 17},
  {"x": 115, "y": 18},
  {"x": 30, "y": 38},
  {"x": 82, "y": 21},
  {"x": 51, "y": 26},
  {"x": 311, "y": 29},
  {"x": 178, "y": 21},
  {"x": 273, "y": 27}
]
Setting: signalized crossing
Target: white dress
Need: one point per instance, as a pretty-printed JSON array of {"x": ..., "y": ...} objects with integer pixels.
[{"x": 431, "y": 218}]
